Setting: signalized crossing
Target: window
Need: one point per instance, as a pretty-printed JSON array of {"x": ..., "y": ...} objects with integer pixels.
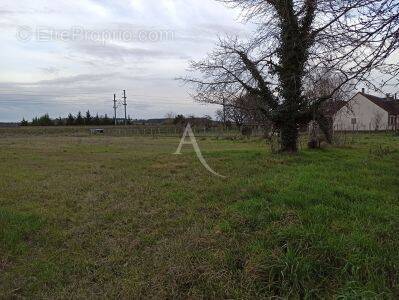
[{"x": 353, "y": 121}]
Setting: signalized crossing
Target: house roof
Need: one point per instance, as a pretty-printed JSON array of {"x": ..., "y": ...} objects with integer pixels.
[{"x": 388, "y": 104}]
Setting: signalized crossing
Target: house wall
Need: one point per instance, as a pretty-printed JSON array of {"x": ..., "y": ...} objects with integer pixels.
[{"x": 369, "y": 116}]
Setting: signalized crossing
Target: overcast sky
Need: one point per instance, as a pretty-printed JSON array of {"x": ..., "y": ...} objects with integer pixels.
[
  {"x": 64, "y": 56},
  {"x": 61, "y": 56}
]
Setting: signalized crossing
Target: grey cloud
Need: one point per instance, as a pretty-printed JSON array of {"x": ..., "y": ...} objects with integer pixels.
[
  {"x": 99, "y": 70},
  {"x": 208, "y": 33},
  {"x": 6, "y": 11},
  {"x": 113, "y": 51},
  {"x": 82, "y": 78},
  {"x": 50, "y": 70}
]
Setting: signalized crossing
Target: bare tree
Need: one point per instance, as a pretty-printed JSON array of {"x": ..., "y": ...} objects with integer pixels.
[
  {"x": 377, "y": 120},
  {"x": 295, "y": 39},
  {"x": 220, "y": 116},
  {"x": 237, "y": 114},
  {"x": 240, "y": 111},
  {"x": 243, "y": 111},
  {"x": 170, "y": 115},
  {"x": 324, "y": 84}
]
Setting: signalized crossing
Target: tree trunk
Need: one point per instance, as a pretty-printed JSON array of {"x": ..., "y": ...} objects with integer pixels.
[
  {"x": 326, "y": 126},
  {"x": 289, "y": 137}
]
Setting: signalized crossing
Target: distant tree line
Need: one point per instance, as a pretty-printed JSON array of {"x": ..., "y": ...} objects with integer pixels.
[
  {"x": 89, "y": 120},
  {"x": 71, "y": 120},
  {"x": 181, "y": 120}
]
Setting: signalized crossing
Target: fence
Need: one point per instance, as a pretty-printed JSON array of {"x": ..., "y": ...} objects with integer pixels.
[
  {"x": 139, "y": 131},
  {"x": 165, "y": 131},
  {"x": 364, "y": 128}
]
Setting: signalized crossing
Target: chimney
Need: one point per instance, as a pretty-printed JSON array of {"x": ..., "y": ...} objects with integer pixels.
[
  {"x": 363, "y": 90},
  {"x": 389, "y": 97}
]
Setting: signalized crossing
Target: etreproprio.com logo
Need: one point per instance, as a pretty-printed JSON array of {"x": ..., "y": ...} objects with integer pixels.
[{"x": 48, "y": 34}]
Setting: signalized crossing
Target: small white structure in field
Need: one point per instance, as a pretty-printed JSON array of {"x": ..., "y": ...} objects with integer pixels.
[
  {"x": 366, "y": 112},
  {"x": 97, "y": 131}
]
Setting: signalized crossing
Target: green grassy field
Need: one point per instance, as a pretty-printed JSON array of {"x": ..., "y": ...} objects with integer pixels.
[{"x": 123, "y": 217}]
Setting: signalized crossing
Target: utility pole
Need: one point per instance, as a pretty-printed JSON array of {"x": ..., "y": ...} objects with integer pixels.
[
  {"x": 224, "y": 112},
  {"x": 125, "y": 105},
  {"x": 115, "y": 109}
]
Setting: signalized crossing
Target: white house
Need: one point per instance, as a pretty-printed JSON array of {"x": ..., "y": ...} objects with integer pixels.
[{"x": 366, "y": 112}]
